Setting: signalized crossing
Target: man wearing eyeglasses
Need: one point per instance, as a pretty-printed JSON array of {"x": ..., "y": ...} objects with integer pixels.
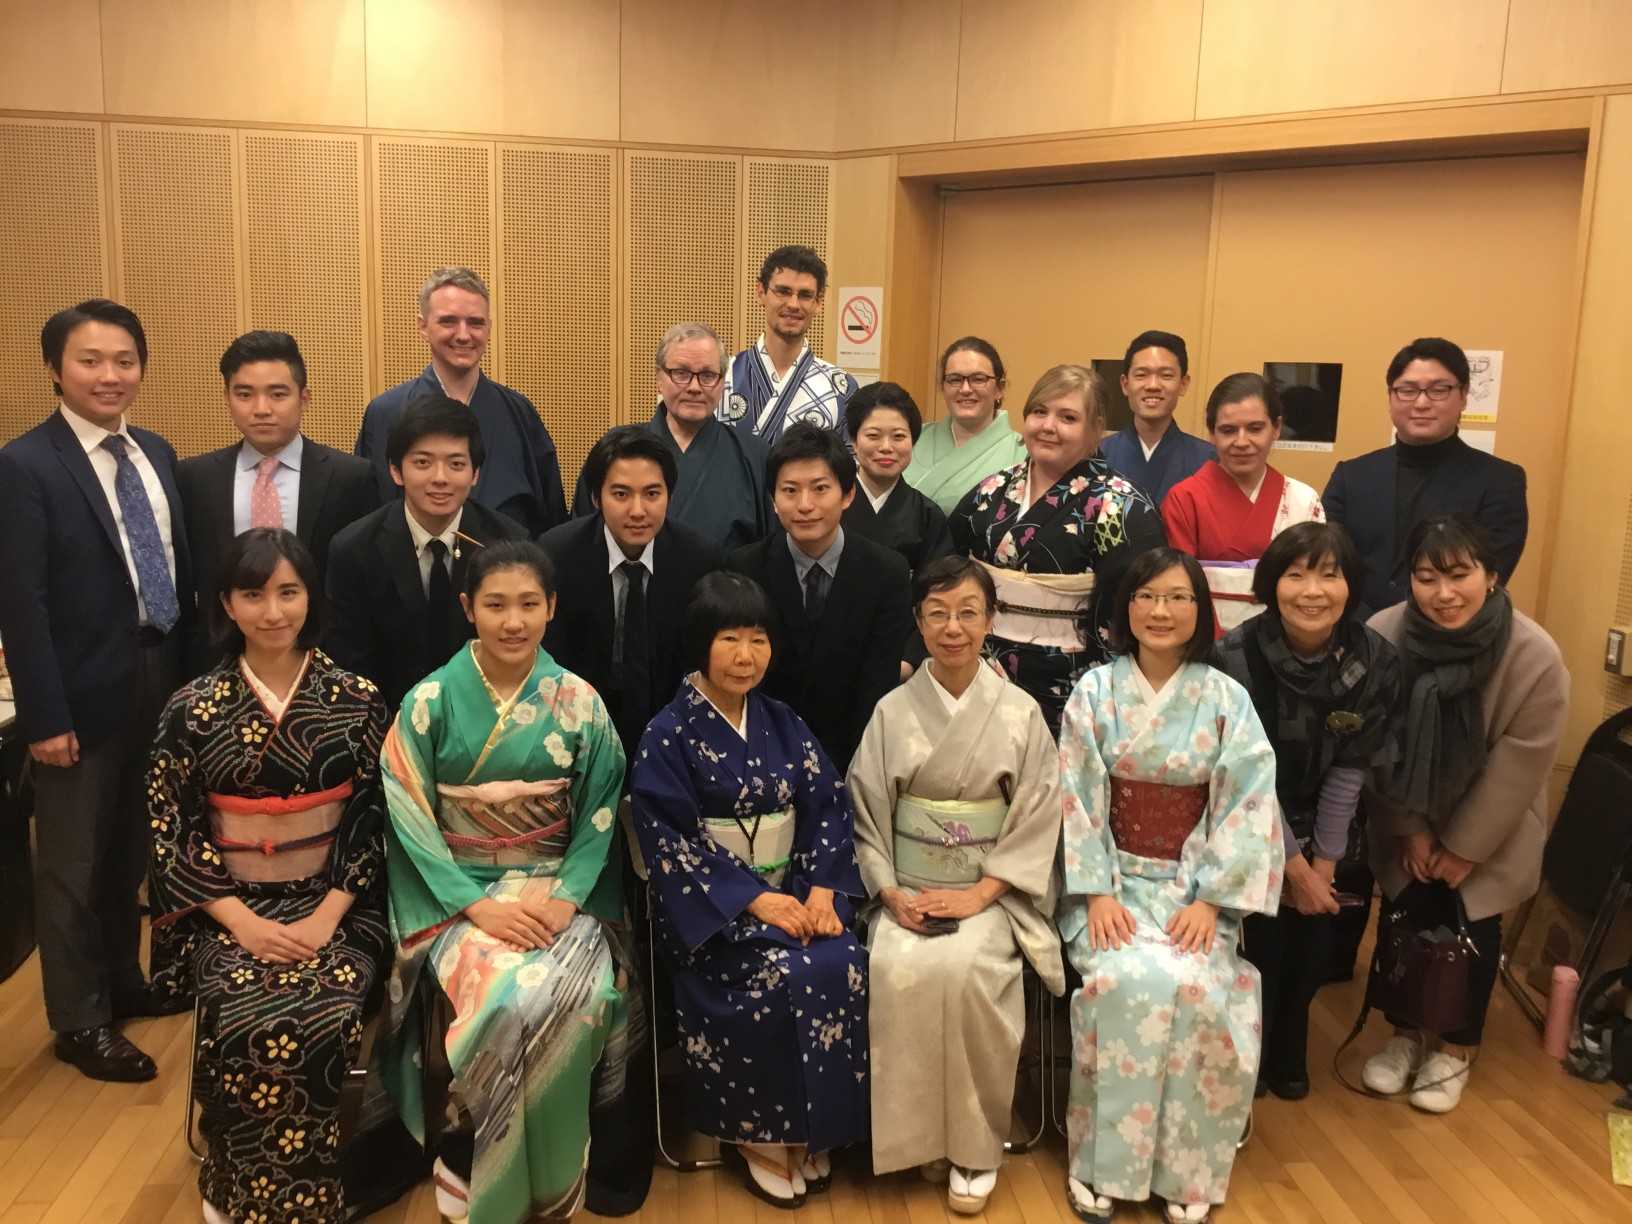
[
  {"x": 1152, "y": 451},
  {"x": 779, "y": 380},
  {"x": 719, "y": 492},
  {"x": 1380, "y": 496}
]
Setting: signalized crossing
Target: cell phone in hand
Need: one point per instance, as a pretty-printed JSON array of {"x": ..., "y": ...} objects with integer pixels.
[{"x": 940, "y": 926}]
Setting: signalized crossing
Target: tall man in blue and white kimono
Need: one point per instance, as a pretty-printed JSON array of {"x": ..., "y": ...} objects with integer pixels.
[{"x": 779, "y": 380}]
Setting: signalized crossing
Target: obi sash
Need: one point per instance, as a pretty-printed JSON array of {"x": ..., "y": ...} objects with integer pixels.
[
  {"x": 763, "y": 843},
  {"x": 1152, "y": 819},
  {"x": 941, "y": 843},
  {"x": 275, "y": 839},
  {"x": 1041, "y": 609},
  {"x": 507, "y": 824},
  {"x": 1231, "y": 585}
]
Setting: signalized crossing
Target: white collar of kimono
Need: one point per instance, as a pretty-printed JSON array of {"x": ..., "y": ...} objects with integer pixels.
[
  {"x": 770, "y": 366},
  {"x": 741, "y": 728},
  {"x": 1153, "y": 696},
  {"x": 421, "y": 537},
  {"x": 615, "y": 555},
  {"x": 275, "y": 705},
  {"x": 951, "y": 703},
  {"x": 876, "y": 500},
  {"x": 1252, "y": 495}
]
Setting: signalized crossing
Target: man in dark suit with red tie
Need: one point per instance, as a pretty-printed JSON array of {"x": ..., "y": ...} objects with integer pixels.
[{"x": 94, "y": 556}]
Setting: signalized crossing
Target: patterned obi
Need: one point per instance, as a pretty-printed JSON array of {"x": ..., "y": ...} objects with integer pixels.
[
  {"x": 507, "y": 824},
  {"x": 1231, "y": 585},
  {"x": 274, "y": 840},
  {"x": 941, "y": 843},
  {"x": 1153, "y": 819},
  {"x": 763, "y": 843},
  {"x": 1040, "y": 609}
]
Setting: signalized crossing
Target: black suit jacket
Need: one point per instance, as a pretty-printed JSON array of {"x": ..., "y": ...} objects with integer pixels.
[
  {"x": 580, "y": 635},
  {"x": 68, "y": 612},
  {"x": 1360, "y": 496},
  {"x": 336, "y": 489},
  {"x": 833, "y": 672},
  {"x": 378, "y": 620}
]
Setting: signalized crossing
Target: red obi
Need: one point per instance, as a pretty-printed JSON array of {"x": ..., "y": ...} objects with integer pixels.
[{"x": 1153, "y": 819}]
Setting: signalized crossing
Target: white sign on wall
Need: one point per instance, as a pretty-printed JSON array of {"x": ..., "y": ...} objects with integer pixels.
[{"x": 860, "y": 327}]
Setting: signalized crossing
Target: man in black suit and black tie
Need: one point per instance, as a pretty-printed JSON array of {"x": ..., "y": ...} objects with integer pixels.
[
  {"x": 845, "y": 602},
  {"x": 94, "y": 605},
  {"x": 395, "y": 574},
  {"x": 275, "y": 477}
]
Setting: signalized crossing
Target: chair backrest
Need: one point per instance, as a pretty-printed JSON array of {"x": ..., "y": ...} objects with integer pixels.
[{"x": 1592, "y": 838}]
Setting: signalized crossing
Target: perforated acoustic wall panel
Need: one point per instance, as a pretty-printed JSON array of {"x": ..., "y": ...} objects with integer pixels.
[
  {"x": 51, "y": 199},
  {"x": 178, "y": 258},
  {"x": 434, "y": 204},
  {"x": 555, "y": 280},
  {"x": 683, "y": 246},
  {"x": 783, "y": 202},
  {"x": 303, "y": 266}
]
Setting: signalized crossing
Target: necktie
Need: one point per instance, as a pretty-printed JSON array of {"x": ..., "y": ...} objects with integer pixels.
[
  {"x": 153, "y": 581},
  {"x": 438, "y": 595},
  {"x": 637, "y": 673},
  {"x": 265, "y": 508},
  {"x": 815, "y": 593}
]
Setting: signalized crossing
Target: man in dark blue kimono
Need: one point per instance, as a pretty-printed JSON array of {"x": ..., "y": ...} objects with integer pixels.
[{"x": 1153, "y": 451}]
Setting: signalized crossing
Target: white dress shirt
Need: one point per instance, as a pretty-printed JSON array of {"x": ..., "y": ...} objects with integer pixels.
[
  {"x": 286, "y": 480},
  {"x": 422, "y": 540}
]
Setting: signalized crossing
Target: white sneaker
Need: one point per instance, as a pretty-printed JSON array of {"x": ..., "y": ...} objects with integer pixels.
[
  {"x": 1443, "y": 1076},
  {"x": 452, "y": 1193},
  {"x": 1390, "y": 1069}
]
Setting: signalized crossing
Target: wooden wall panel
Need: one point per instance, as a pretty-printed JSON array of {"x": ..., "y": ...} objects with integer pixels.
[
  {"x": 784, "y": 202},
  {"x": 303, "y": 266},
  {"x": 55, "y": 253},
  {"x": 556, "y": 281},
  {"x": 179, "y": 246},
  {"x": 1567, "y": 44},
  {"x": 862, "y": 188},
  {"x": 1261, "y": 57},
  {"x": 266, "y": 61},
  {"x": 682, "y": 243},
  {"x": 896, "y": 79},
  {"x": 51, "y": 55},
  {"x": 1062, "y": 65},
  {"x": 433, "y": 208}
]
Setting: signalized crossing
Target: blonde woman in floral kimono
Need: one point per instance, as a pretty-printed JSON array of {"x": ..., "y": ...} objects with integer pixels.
[
  {"x": 957, "y": 824},
  {"x": 1172, "y": 837}
]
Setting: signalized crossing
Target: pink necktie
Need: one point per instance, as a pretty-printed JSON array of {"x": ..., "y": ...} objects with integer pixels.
[{"x": 265, "y": 510}]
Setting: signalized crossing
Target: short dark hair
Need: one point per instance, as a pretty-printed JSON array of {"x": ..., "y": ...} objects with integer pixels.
[
  {"x": 54, "y": 335},
  {"x": 723, "y": 600},
  {"x": 945, "y": 573},
  {"x": 1162, "y": 340},
  {"x": 264, "y": 346},
  {"x": 802, "y": 440},
  {"x": 1431, "y": 348},
  {"x": 508, "y": 554},
  {"x": 1233, "y": 388},
  {"x": 878, "y": 395},
  {"x": 795, "y": 259},
  {"x": 1444, "y": 539},
  {"x": 627, "y": 442},
  {"x": 973, "y": 344},
  {"x": 1146, "y": 566},
  {"x": 433, "y": 413},
  {"x": 1312, "y": 544},
  {"x": 247, "y": 565}
]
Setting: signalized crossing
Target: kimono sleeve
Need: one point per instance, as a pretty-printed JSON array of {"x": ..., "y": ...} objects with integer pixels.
[
  {"x": 1179, "y": 520},
  {"x": 597, "y": 782},
  {"x": 872, "y": 798},
  {"x": 1085, "y": 795},
  {"x": 1139, "y": 530},
  {"x": 357, "y": 865},
  {"x": 1240, "y": 866},
  {"x": 186, "y": 869},
  {"x": 1023, "y": 857},
  {"x": 824, "y": 848}
]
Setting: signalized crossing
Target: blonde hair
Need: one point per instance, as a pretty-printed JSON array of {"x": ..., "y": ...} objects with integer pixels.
[
  {"x": 1062, "y": 379},
  {"x": 459, "y": 278}
]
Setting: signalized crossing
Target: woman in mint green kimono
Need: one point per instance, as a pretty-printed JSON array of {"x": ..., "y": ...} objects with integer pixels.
[
  {"x": 1172, "y": 837},
  {"x": 974, "y": 438},
  {"x": 502, "y": 774}
]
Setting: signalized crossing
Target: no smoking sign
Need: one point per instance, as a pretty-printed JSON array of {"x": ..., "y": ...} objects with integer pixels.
[{"x": 861, "y": 324}]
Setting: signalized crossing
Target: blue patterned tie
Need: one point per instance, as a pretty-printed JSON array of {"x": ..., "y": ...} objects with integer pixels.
[{"x": 146, "y": 545}]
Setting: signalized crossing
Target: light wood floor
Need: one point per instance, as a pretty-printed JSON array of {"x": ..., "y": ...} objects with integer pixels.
[{"x": 1527, "y": 1146}]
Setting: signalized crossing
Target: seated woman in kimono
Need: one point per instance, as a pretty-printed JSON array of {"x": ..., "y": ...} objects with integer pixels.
[
  {"x": 1227, "y": 513},
  {"x": 268, "y": 867},
  {"x": 956, "y": 792},
  {"x": 1325, "y": 687},
  {"x": 746, "y": 830},
  {"x": 1172, "y": 837},
  {"x": 974, "y": 438},
  {"x": 502, "y": 774}
]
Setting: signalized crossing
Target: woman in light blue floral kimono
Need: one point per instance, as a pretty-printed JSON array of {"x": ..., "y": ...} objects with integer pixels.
[{"x": 1172, "y": 837}]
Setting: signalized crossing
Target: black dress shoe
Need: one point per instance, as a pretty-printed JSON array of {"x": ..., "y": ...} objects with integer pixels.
[
  {"x": 1291, "y": 1088},
  {"x": 149, "y": 1002},
  {"x": 104, "y": 1053}
]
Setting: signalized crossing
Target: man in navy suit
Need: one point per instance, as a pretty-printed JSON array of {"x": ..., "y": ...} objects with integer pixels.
[
  {"x": 93, "y": 608},
  {"x": 1379, "y": 497}
]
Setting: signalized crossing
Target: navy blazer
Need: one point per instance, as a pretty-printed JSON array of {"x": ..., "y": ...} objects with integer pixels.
[
  {"x": 1360, "y": 496},
  {"x": 68, "y": 613}
]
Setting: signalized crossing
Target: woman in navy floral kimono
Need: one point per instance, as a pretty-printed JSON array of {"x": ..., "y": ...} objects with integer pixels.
[{"x": 746, "y": 829}]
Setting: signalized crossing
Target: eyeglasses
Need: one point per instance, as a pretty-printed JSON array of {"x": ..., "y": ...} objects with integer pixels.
[
  {"x": 706, "y": 379},
  {"x": 783, "y": 293},
  {"x": 976, "y": 382},
  {"x": 1175, "y": 599},
  {"x": 1437, "y": 393},
  {"x": 940, "y": 618}
]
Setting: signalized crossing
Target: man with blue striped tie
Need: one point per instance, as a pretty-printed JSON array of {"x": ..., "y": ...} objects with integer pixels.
[{"x": 93, "y": 556}]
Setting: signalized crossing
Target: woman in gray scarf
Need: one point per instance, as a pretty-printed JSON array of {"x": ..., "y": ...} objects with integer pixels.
[{"x": 1485, "y": 695}]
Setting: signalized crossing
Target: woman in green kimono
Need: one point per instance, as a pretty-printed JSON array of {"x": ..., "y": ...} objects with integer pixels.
[
  {"x": 974, "y": 438},
  {"x": 502, "y": 773}
]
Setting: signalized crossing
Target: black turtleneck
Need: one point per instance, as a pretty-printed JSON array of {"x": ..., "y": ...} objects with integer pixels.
[{"x": 1415, "y": 467}]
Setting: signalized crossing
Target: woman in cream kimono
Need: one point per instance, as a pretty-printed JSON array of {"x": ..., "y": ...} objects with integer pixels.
[
  {"x": 1172, "y": 837},
  {"x": 957, "y": 824}
]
